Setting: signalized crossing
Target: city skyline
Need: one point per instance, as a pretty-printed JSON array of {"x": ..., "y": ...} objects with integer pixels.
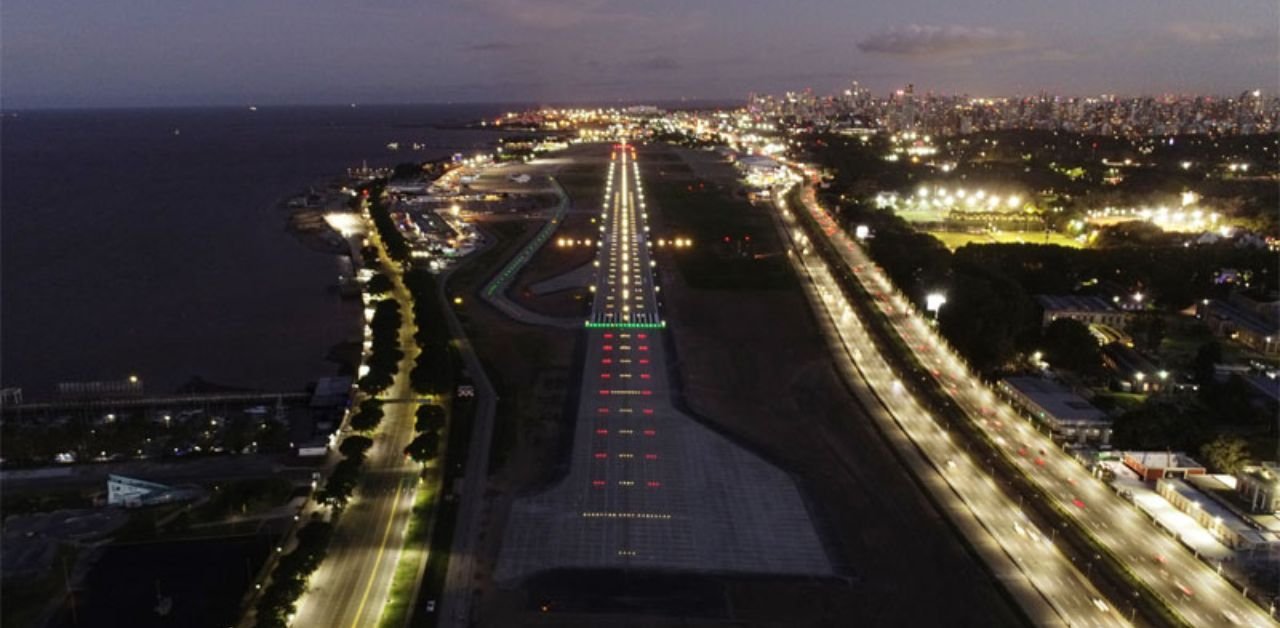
[{"x": 76, "y": 54}]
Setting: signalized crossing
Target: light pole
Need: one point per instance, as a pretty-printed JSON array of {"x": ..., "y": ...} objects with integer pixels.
[{"x": 934, "y": 302}]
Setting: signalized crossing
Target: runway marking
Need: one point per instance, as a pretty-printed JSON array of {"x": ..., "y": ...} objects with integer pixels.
[{"x": 377, "y": 561}]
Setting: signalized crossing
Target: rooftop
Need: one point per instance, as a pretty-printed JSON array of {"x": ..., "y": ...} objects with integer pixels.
[
  {"x": 1221, "y": 513},
  {"x": 1163, "y": 459},
  {"x": 1056, "y": 399},
  {"x": 1243, "y": 318},
  {"x": 1074, "y": 303}
]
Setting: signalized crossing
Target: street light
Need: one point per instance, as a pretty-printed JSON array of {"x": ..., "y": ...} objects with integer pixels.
[{"x": 934, "y": 302}]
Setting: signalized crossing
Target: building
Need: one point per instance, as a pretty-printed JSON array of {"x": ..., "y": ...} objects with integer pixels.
[
  {"x": 1067, "y": 414},
  {"x": 1260, "y": 486},
  {"x": 1234, "y": 322},
  {"x": 1130, "y": 371},
  {"x": 1087, "y": 310},
  {"x": 1224, "y": 524},
  {"x": 90, "y": 391},
  {"x": 133, "y": 493},
  {"x": 1154, "y": 465}
]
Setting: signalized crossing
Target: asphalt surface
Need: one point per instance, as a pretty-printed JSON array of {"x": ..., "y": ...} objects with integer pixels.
[
  {"x": 455, "y": 604},
  {"x": 649, "y": 487},
  {"x": 1040, "y": 577},
  {"x": 1189, "y": 587},
  {"x": 352, "y": 584}
]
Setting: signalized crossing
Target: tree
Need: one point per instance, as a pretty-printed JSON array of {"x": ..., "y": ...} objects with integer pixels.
[
  {"x": 1148, "y": 329},
  {"x": 424, "y": 448},
  {"x": 379, "y": 284},
  {"x": 355, "y": 446},
  {"x": 1161, "y": 423},
  {"x": 1226, "y": 453},
  {"x": 368, "y": 416},
  {"x": 430, "y": 418},
  {"x": 1207, "y": 358},
  {"x": 1070, "y": 345}
]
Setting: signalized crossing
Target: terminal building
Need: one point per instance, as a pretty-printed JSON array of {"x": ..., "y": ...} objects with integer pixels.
[{"x": 1068, "y": 415}]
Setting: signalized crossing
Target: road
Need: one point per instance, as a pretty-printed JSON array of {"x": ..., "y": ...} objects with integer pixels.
[
  {"x": 455, "y": 603},
  {"x": 351, "y": 586},
  {"x": 1185, "y": 584},
  {"x": 1050, "y": 589}
]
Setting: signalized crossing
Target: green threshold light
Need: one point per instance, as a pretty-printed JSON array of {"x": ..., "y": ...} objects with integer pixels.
[{"x": 594, "y": 325}]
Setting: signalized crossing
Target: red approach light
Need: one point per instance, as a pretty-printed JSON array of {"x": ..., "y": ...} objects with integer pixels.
[
  {"x": 644, "y": 360},
  {"x": 644, "y": 376},
  {"x": 644, "y": 347},
  {"x": 651, "y": 456},
  {"x": 746, "y": 238},
  {"x": 606, "y": 375},
  {"x": 608, "y": 336},
  {"x": 651, "y": 432},
  {"x": 597, "y": 483},
  {"x": 653, "y": 484},
  {"x": 646, "y": 392},
  {"x": 604, "y": 392},
  {"x": 642, "y": 336},
  {"x": 607, "y": 361},
  {"x": 602, "y": 432},
  {"x": 607, "y": 347},
  {"x": 602, "y": 410},
  {"x": 1079, "y": 504},
  {"x": 648, "y": 410},
  {"x": 601, "y": 455},
  {"x": 726, "y": 238}
]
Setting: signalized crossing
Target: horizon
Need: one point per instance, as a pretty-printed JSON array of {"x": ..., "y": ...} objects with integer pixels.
[
  {"x": 669, "y": 103},
  {"x": 80, "y": 54}
]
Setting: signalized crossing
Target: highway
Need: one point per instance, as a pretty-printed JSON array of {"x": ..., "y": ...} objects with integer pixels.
[
  {"x": 351, "y": 586},
  {"x": 1190, "y": 588},
  {"x": 1051, "y": 590}
]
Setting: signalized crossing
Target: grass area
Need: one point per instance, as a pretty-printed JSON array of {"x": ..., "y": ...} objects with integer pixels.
[
  {"x": 470, "y": 276},
  {"x": 244, "y": 498},
  {"x": 459, "y": 439},
  {"x": 24, "y": 602},
  {"x": 752, "y": 259},
  {"x": 26, "y": 503},
  {"x": 1120, "y": 401},
  {"x": 954, "y": 240},
  {"x": 400, "y": 598}
]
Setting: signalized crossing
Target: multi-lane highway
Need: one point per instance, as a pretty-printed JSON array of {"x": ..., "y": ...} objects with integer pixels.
[
  {"x": 1192, "y": 589},
  {"x": 1051, "y": 590},
  {"x": 351, "y": 586}
]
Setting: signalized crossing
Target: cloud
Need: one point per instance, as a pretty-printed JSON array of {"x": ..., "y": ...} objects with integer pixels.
[
  {"x": 915, "y": 40},
  {"x": 1205, "y": 34},
  {"x": 556, "y": 14},
  {"x": 491, "y": 46},
  {"x": 657, "y": 63}
]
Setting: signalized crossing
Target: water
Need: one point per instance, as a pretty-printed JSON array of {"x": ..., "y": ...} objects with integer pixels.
[{"x": 126, "y": 248}]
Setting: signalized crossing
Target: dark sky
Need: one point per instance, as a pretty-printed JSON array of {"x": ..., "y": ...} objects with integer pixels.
[{"x": 191, "y": 52}]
